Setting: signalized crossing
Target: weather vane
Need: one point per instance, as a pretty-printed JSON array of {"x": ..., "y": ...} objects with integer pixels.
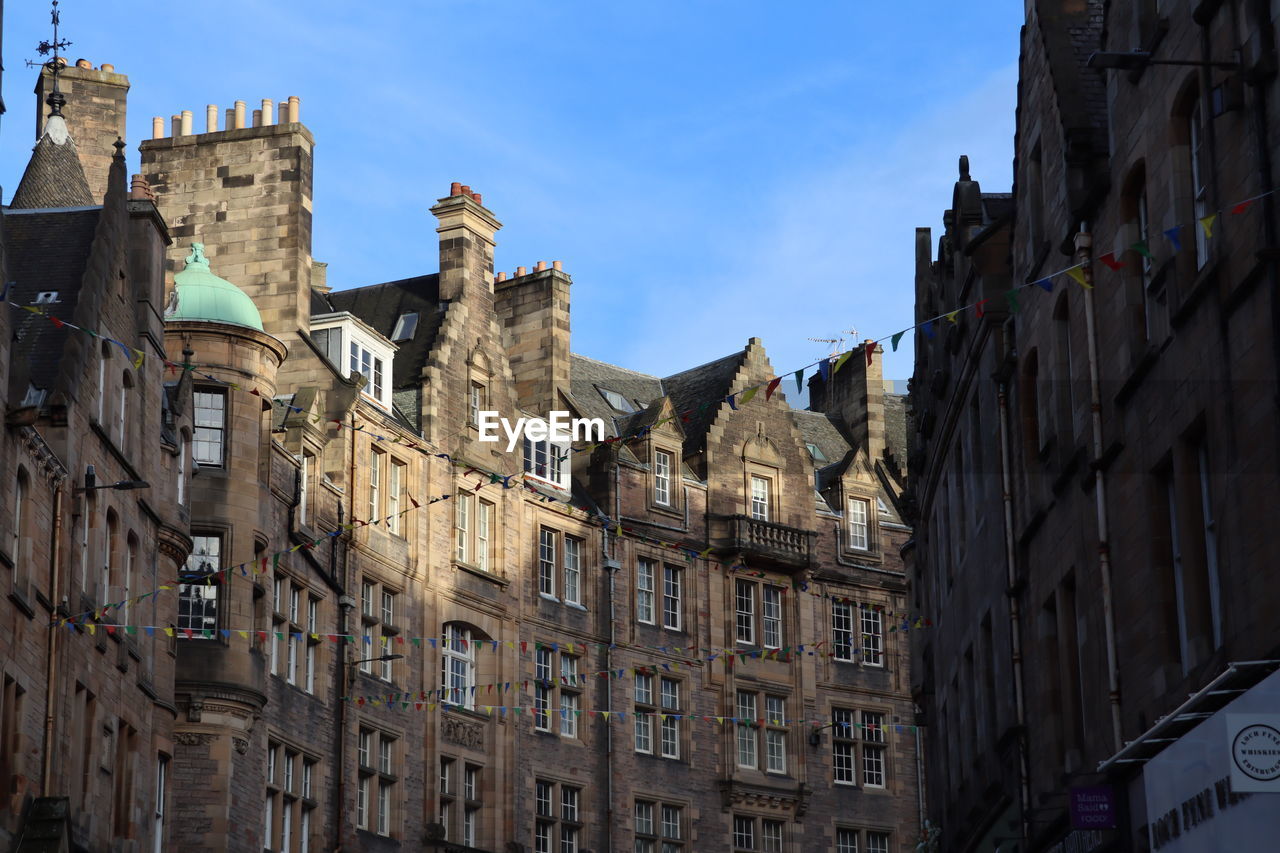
[{"x": 44, "y": 48}]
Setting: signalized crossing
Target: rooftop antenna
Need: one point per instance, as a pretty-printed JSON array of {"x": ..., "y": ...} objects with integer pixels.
[
  {"x": 56, "y": 101},
  {"x": 837, "y": 344}
]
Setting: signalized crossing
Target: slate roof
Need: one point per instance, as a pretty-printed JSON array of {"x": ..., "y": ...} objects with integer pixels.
[
  {"x": 895, "y": 426},
  {"x": 380, "y": 305},
  {"x": 707, "y": 383},
  {"x": 587, "y": 376},
  {"x": 54, "y": 177},
  {"x": 46, "y": 251},
  {"x": 820, "y": 429}
]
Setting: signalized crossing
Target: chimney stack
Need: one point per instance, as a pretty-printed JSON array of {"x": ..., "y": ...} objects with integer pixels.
[{"x": 466, "y": 245}]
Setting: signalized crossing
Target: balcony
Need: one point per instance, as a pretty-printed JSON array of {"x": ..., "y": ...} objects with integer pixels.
[{"x": 787, "y": 548}]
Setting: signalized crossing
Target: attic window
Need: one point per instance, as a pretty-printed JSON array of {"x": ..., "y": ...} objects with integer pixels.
[
  {"x": 816, "y": 453},
  {"x": 619, "y": 402},
  {"x": 880, "y": 505},
  {"x": 46, "y": 297},
  {"x": 405, "y": 326}
]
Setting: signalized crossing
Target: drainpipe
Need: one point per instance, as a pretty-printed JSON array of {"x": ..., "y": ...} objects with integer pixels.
[
  {"x": 1084, "y": 255},
  {"x": 51, "y": 665},
  {"x": 1015, "y": 629},
  {"x": 345, "y": 605},
  {"x": 608, "y": 659}
]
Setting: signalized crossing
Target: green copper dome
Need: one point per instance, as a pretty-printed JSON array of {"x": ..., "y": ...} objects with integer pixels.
[{"x": 201, "y": 295}]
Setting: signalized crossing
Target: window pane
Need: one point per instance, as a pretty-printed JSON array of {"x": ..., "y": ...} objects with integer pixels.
[
  {"x": 671, "y": 579},
  {"x": 644, "y": 591},
  {"x": 842, "y": 630},
  {"x": 572, "y": 569},
  {"x": 744, "y": 597},
  {"x": 772, "y": 616}
]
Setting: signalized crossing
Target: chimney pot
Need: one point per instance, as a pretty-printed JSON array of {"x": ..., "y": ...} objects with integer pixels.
[
  {"x": 157, "y": 128},
  {"x": 455, "y": 188},
  {"x": 557, "y": 266},
  {"x": 502, "y": 276},
  {"x": 84, "y": 63},
  {"x": 175, "y": 125},
  {"x": 108, "y": 67},
  {"x": 239, "y": 115},
  {"x": 540, "y": 266},
  {"x": 295, "y": 109},
  {"x": 521, "y": 271},
  {"x": 466, "y": 190},
  {"x": 477, "y": 198},
  {"x": 211, "y": 118},
  {"x": 268, "y": 111},
  {"x": 257, "y": 118},
  {"x": 186, "y": 122}
]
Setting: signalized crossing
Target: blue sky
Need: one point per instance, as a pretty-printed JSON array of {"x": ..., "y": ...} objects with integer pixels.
[{"x": 707, "y": 171}]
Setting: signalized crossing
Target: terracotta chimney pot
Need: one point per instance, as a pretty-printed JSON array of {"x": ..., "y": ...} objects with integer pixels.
[
  {"x": 557, "y": 266},
  {"x": 455, "y": 188},
  {"x": 521, "y": 271},
  {"x": 540, "y": 266},
  {"x": 476, "y": 196},
  {"x": 108, "y": 67}
]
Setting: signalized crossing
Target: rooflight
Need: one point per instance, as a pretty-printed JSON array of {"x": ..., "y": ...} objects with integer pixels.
[
  {"x": 405, "y": 326},
  {"x": 619, "y": 402},
  {"x": 816, "y": 453}
]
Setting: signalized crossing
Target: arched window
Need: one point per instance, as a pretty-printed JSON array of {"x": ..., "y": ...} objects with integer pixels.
[
  {"x": 182, "y": 467},
  {"x": 109, "y": 555},
  {"x": 1030, "y": 408},
  {"x": 122, "y": 411},
  {"x": 21, "y": 493},
  {"x": 104, "y": 357}
]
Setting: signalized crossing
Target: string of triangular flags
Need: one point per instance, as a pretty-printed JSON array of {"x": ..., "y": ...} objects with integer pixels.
[
  {"x": 256, "y": 566},
  {"x": 832, "y": 364},
  {"x": 422, "y": 703}
]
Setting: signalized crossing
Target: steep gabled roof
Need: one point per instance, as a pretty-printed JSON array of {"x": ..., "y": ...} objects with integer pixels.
[
  {"x": 820, "y": 430},
  {"x": 697, "y": 393},
  {"x": 54, "y": 177},
  {"x": 46, "y": 252},
  {"x": 380, "y": 305}
]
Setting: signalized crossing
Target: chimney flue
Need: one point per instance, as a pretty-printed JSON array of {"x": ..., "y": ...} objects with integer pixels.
[
  {"x": 521, "y": 271},
  {"x": 295, "y": 109},
  {"x": 540, "y": 266},
  {"x": 175, "y": 125},
  {"x": 211, "y": 118},
  {"x": 187, "y": 118},
  {"x": 268, "y": 112},
  {"x": 257, "y": 118},
  {"x": 157, "y": 128},
  {"x": 502, "y": 276},
  {"x": 466, "y": 190},
  {"x": 239, "y": 115},
  {"x": 556, "y": 265},
  {"x": 455, "y": 188},
  {"x": 476, "y": 197},
  {"x": 109, "y": 68}
]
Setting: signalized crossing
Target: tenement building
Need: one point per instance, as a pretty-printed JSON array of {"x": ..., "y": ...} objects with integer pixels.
[
  {"x": 1096, "y": 447},
  {"x": 302, "y": 603}
]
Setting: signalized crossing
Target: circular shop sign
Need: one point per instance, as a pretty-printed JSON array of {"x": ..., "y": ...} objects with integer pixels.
[{"x": 1256, "y": 751}]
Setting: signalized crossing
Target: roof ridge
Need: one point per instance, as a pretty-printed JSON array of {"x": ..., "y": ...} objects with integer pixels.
[
  {"x": 652, "y": 376},
  {"x": 739, "y": 354}
]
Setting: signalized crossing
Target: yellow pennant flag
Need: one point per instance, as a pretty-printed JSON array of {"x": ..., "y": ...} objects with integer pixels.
[
  {"x": 1206, "y": 222},
  {"x": 841, "y": 360},
  {"x": 168, "y": 632},
  {"x": 1077, "y": 273},
  {"x": 952, "y": 316},
  {"x": 747, "y": 395},
  {"x": 138, "y": 358},
  {"x": 92, "y": 628}
]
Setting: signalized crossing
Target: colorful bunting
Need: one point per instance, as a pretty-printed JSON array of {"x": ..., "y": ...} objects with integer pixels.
[
  {"x": 1206, "y": 222},
  {"x": 894, "y": 341},
  {"x": 1078, "y": 274},
  {"x": 1110, "y": 260},
  {"x": 1172, "y": 236}
]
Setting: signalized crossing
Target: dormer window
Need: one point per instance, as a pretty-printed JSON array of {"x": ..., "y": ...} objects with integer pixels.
[
  {"x": 662, "y": 477},
  {"x": 545, "y": 460},
  {"x": 759, "y": 498},
  {"x": 352, "y": 346},
  {"x": 859, "y": 524},
  {"x": 816, "y": 453},
  {"x": 369, "y": 366},
  {"x": 619, "y": 402},
  {"x": 405, "y": 327}
]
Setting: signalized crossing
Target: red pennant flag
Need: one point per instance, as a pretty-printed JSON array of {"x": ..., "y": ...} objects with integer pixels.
[
  {"x": 1242, "y": 206},
  {"x": 773, "y": 386},
  {"x": 978, "y": 307},
  {"x": 870, "y": 347},
  {"x": 55, "y": 321},
  {"x": 1110, "y": 260}
]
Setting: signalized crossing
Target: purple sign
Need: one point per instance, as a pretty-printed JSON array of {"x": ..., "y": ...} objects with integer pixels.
[{"x": 1093, "y": 807}]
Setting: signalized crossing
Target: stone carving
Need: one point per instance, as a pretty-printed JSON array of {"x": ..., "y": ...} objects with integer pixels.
[
  {"x": 194, "y": 738},
  {"x": 241, "y": 745},
  {"x": 461, "y": 732},
  {"x": 194, "y": 708}
]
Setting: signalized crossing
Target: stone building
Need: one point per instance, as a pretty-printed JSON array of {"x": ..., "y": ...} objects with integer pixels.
[
  {"x": 92, "y": 502},
  {"x": 1119, "y": 441},
  {"x": 391, "y": 634}
]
